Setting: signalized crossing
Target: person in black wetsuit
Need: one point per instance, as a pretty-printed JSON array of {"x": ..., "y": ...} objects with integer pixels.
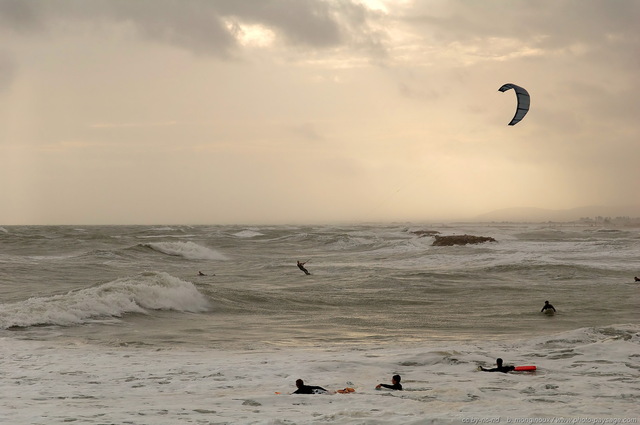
[
  {"x": 547, "y": 306},
  {"x": 637, "y": 278},
  {"x": 395, "y": 381},
  {"x": 301, "y": 267},
  {"x": 307, "y": 389},
  {"x": 499, "y": 368}
]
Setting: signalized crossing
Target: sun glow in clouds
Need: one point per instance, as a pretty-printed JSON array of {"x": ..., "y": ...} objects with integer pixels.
[
  {"x": 384, "y": 5},
  {"x": 249, "y": 35},
  {"x": 375, "y": 5}
]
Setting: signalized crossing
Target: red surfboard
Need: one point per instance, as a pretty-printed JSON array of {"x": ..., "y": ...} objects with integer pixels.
[{"x": 524, "y": 368}]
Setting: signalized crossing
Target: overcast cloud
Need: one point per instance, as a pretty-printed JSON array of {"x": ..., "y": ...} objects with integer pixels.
[{"x": 289, "y": 111}]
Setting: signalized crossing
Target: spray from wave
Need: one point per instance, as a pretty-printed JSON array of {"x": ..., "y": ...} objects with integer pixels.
[
  {"x": 136, "y": 294},
  {"x": 188, "y": 250}
]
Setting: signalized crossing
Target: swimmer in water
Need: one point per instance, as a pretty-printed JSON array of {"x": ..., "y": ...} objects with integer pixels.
[
  {"x": 395, "y": 384},
  {"x": 307, "y": 389},
  {"x": 547, "y": 306},
  {"x": 499, "y": 368}
]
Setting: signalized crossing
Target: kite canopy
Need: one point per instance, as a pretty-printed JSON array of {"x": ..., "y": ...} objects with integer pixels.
[{"x": 523, "y": 101}]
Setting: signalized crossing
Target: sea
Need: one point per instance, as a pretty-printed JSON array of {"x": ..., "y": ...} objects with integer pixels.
[{"x": 214, "y": 324}]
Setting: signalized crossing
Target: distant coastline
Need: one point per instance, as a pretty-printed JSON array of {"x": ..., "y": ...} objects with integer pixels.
[{"x": 593, "y": 215}]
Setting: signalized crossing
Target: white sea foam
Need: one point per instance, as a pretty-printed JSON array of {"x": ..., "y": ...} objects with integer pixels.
[
  {"x": 188, "y": 250},
  {"x": 588, "y": 374},
  {"x": 248, "y": 233},
  {"x": 165, "y": 236},
  {"x": 137, "y": 294},
  {"x": 162, "y": 229}
]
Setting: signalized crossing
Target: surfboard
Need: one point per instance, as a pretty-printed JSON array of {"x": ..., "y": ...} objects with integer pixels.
[{"x": 524, "y": 368}]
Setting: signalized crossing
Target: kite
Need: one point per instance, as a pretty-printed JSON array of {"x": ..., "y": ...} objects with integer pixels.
[{"x": 523, "y": 101}]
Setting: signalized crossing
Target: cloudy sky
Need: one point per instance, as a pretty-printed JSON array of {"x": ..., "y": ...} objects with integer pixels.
[{"x": 312, "y": 111}]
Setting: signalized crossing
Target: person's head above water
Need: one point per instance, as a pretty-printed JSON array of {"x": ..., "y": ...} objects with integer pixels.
[
  {"x": 299, "y": 383},
  {"x": 499, "y": 362},
  {"x": 395, "y": 379}
]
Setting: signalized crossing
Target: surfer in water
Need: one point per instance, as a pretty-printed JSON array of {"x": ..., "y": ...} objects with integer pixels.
[
  {"x": 307, "y": 389},
  {"x": 499, "y": 367},
  {"x": 395, "y": 381},
  {"x": 201, "y": 274},
  {"x": 547, "y": 306},
  {"x": 637, "y": 278},
  {"x": 301, "y": 267}
]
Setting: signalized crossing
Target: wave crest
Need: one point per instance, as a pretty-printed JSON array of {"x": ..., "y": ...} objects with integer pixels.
[
  {"x": 137, "y": 294},
  {"x": 248, "y": 233},
  {"x": 188, "y": 250}
]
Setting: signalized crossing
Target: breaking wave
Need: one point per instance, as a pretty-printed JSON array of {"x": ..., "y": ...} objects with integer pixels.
[
  {"x": 136, "y": 294},
  {"x": 188, "y": 250}
]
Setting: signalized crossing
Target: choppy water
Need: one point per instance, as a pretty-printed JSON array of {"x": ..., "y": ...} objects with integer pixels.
[{"x": 379, "y": 299}]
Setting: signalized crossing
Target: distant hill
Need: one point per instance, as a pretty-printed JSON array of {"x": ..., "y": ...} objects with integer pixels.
[{"x": 573, "y": 214}]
